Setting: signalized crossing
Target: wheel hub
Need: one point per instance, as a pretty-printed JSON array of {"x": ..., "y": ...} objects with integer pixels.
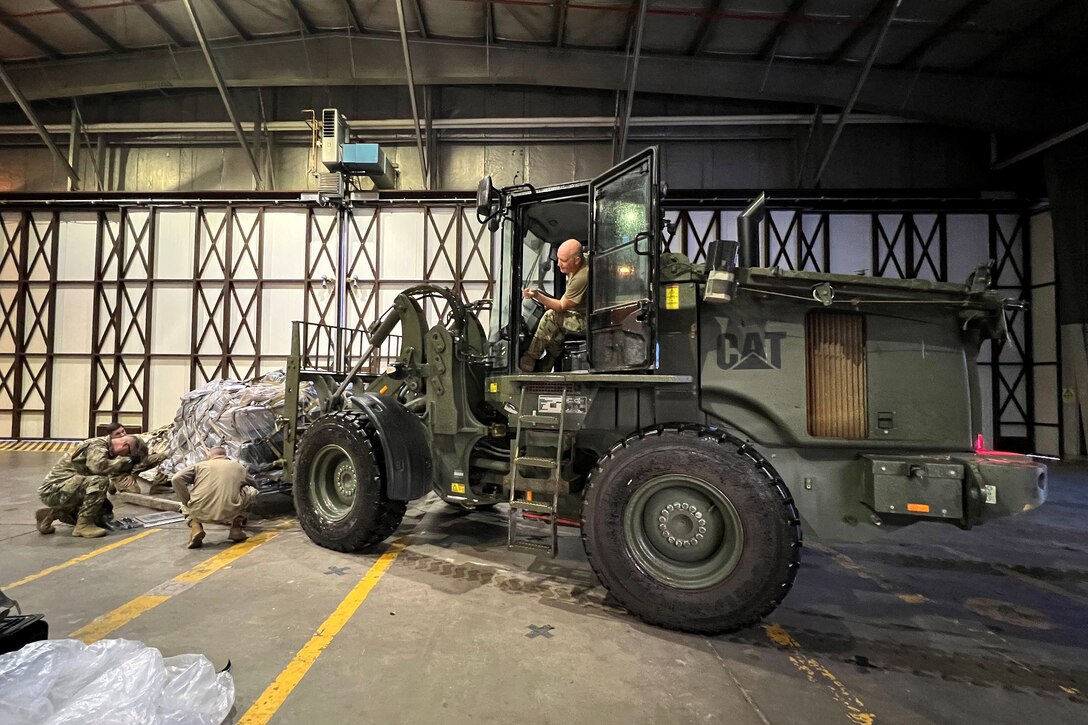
[
  {"x": 346, "y": 482},
  {"x": 682, "y": 524},
  {"x": 683, "y": 530}
]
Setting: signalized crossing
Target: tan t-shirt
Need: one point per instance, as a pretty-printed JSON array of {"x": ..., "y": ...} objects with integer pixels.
[{"x": 577, "y": 285}]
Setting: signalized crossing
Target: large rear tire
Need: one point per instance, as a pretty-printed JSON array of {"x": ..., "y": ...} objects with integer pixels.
[
  {"x": 690, "y": 529},
  {"x": 338, "y": 490}
]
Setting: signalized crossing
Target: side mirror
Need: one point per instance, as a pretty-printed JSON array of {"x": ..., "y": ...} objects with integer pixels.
[{"x": 485, "y": 197}]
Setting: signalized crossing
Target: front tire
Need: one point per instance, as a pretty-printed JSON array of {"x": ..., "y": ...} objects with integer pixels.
[
  {"x": 690, "y": 529},
  {"x": 338, "y": 490}
]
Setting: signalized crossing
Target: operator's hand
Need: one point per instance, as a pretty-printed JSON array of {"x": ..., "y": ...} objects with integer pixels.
[{"x": 530, "y": 294}]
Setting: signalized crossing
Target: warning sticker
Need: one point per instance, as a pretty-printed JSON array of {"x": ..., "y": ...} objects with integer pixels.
[
  {"x": 457, "y": 488},
  {"x": 991, "y": 493},
  {"x": 494, "y": 387},
  {"x": 672, "y": 297}
]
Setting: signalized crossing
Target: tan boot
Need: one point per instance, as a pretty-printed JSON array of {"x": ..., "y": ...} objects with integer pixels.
[
  {"x": 527, "y": 364},
  {"x": 236, "y": 533},
  {"x": 196, "y": 534},
  {"x": 45, "y": 517},
  {"x": 85, "y": 527}
]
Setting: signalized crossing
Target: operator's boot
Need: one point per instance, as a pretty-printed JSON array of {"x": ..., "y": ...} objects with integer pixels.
[
  {"x": 527, "y": 364},
  {"x": 45, "y": 518},
  {"x": 236, "y": 533},
  {"x": 547, "y": 363},
  {"x": 196, "y": 534},
  {"x": 85, "y": 527}
]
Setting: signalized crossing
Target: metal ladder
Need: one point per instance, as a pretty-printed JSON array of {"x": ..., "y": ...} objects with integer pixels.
[{"x": 550, "y": 511}]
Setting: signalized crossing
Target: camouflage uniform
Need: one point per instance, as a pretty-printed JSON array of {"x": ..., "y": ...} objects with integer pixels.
[
  {"x": 555, "y": 326},
  {"x": 76, "y": 487}
]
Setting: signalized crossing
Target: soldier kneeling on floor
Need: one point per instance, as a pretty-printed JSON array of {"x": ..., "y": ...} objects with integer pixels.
[
  {"x": 75, "y": 489},
  {"x": 217, "y": 490}
]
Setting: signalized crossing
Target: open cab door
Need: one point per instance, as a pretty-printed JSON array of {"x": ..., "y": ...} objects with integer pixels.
[{"x": 623, "y": 258}]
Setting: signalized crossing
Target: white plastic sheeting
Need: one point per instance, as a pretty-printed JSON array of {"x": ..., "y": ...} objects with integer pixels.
[{"x": 111, "y": 681}]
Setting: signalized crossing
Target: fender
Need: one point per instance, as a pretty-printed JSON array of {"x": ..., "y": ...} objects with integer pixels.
[{"x": 409, "y": 465}]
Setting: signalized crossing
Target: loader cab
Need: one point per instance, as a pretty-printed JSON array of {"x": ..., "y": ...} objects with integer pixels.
[{"x": 617, "y": 218}]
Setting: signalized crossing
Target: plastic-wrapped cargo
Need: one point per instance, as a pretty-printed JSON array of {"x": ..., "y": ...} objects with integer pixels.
[{"x": 241, "y": 416}]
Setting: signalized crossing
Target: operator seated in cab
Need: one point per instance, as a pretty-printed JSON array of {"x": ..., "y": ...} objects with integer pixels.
[{"x": 563, "y": 316}]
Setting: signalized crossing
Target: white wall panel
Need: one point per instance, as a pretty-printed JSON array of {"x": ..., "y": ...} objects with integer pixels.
[
  {"x": 169, "y": 381},
  {"x": 171, "y": 324},
  {"x": 285, "y": 244},
  {"x": 75, "y": 310},
  {"x": 851, "y": 243},
  {"x": 78, "y": 240},
  {"x": 175, "y": 241},
  {"x": 968, "y": 244},
  {"x": 402, "y": 249},
  {"x": 71, "y": 398},
  {"x": 281, "y": 307}
]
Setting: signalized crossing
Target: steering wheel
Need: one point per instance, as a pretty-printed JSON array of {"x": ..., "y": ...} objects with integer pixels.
[{"x": 531, "y": 313}]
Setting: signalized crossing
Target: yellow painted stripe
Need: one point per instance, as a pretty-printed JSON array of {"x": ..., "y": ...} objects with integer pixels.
[
  {"x": 80, "y": 559},
  {"x": 110, "y": 621},
  {"x": 276, "y": 693},
  {"x": 813, "y": 670}
]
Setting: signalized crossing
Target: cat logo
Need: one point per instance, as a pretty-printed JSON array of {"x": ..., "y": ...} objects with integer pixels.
[{"x": 750, "y": 351}]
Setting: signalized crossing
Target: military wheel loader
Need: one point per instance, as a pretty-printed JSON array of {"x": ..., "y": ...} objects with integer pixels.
[{"x": 709, "y": 415}]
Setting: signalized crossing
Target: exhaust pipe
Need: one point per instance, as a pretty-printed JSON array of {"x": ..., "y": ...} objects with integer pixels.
[{"x": 748, "y": 231}]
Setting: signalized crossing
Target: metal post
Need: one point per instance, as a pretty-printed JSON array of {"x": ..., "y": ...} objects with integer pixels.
[
  {"x": 411, "y": 92},
  {"x": 202, "y": 38},
  {"x": 857, "y": 90},
  {"x": 38, "y": 126},
  {"x": 73, "y": 147},
  {"x": 630, "y": 99}
]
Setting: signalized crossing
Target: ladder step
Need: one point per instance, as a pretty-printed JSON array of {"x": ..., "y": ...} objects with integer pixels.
[
  {"x": 539, "y": 420},
  {"x": 530, "y": 546},
  {"x": 548, "y": 463},
  {"x": 534, "y": 506}
]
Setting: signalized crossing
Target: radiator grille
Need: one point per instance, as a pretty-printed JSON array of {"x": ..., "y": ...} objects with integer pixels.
[{"x": 836, "y": 375}]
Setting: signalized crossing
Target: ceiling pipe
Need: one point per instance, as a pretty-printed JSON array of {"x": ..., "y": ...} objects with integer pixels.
[
  {"x": 38, "y": 126},
  {"x": 412, "y": 92},
  {"x": 202, "y": 38},
  {"x": 846, "y": 111},
  {"x": 630, "y": 98}
]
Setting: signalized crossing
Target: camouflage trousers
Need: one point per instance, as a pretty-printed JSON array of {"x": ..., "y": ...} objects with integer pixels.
[
  {"x": 552, "y": 330},
  {"x": 76, "y": 497}
]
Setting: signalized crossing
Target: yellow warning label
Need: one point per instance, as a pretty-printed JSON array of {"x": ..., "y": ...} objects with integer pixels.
[
  {"x": 494, "y": 387},
  {"x": 457, "y": 487},
  {"x": 672, "y": 297}
]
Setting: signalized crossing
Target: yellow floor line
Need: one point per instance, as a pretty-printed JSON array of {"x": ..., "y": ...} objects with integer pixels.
[
  {"x": 124, "y": 614},
  {"x": 80, "y": 559},
  {"x": 274, "y": 696},
  {"x": 814, "y": 671}
]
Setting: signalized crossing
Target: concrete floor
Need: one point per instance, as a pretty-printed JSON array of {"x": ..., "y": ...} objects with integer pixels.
[{"x": 930, "y": 625}]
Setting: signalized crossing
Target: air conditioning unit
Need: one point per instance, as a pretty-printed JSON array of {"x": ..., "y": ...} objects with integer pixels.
[
  {"x": 331, "y": 184},
  {"x": 334, "y": 133}
]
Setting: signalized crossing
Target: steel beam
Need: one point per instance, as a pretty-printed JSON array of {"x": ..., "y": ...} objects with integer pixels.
[
  {"x": 849, "y": 108},
  {"x": 217, "y": 77},
  {"x": 91, "y": 26},
  {"x": 561, "y": 22},
  {"x": 770, "y": 45},
  {"x": 73, "y": 147},
  {"x": 420, "y": 20},
  {"x": 1005, "y": 104},
  {"x": 702, "y": 35},
  {"x": 304, "y": 18},
  {"x": 234, "y": 20},
  {"x": 165, "y": 25},
  {"x": 852, "y": 40},
  {"x": 636, "y": 51},
  {"x": 33, "y": 118},
  {"x": 412, "y": 91},
  {"x": 1015, "y": 40},
  {"x": 25, "y": 33},
  {"x": 954, "y": 22},
  {"x": 353, "y": 17}
]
